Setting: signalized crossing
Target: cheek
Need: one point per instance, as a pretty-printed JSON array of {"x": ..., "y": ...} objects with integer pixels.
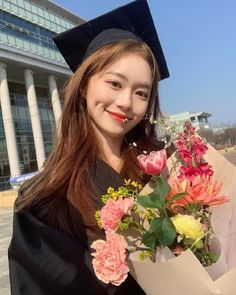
[
  {"x": 98, "y": 97},
  {"x": 140, "y": 109}
]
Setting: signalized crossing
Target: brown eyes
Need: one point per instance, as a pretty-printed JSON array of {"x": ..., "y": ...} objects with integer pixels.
[
  {"x": 141, "y": 93},
  {"x": 117, "y": 85}
]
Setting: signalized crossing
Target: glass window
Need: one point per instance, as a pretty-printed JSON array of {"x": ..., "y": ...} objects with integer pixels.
[
  {"x": 3, "y": 38},
  {"x": 34, "y": 8},
  {"x": 12, "y": 40},
  {"x": 51, "y": 116},
  {"x": 40, "y": 49},
  {"x": 40, "y": 12},
  {"x": 14, "y": 111},
  {"x": 57, "y": 20},
  {"x": 28, "y": 6},
  {"x": 33, "y": 47},
  {"x": 28, "y": 14},
  {"x": 19, "y": 43},
  {"x": 26, "y": 45},
  {"x": 41, "y": 20},
  {"x": 14, "y": 8},
  {"x": 20, "y": 3},
  {"x": 63, "y": 24},
  {"x": 25, "y": 30},
  {"x": 52, "y": 17},
  {"x": 22, "y": 113},
  {"x": 21, "y": 12},
  {"x": 35, "y": 17},
  {"x": 6, "y": 5},
  {"x": 46, "y": 51},
  {"x": 46, "y": 14},
  {"x": 57, "y": 28}
]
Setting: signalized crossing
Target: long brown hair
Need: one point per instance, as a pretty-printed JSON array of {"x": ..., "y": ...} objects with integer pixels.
[{"x": 63, "y": 187}]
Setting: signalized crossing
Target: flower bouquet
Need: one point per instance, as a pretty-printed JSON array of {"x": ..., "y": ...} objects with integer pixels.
[{"x": 163, "y": 232}]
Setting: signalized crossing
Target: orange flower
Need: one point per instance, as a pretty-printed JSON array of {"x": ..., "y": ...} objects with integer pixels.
[{"x": 202, "y": 190}]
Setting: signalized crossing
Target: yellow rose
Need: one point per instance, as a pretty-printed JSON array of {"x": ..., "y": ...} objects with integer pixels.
[{"x": 188, "y": 226}]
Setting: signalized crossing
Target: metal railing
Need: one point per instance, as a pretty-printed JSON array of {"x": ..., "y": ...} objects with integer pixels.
[
  {"x": 31, "y": 47},
  {"x": 5, "y": 182},
  {"x": 36, "y": 14}
]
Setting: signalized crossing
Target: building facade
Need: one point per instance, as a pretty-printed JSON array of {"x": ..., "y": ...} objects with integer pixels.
[
  {"x": 199, "y": 120},
  {"x": 31, "y": 73}
]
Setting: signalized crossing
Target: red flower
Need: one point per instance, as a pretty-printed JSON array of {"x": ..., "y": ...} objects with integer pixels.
[
  {"x": 206, "y": 169},
  {"x": 186, "y": 156},
  {"x": 189, "y": 172},
  {"x": 180, "y": 144},
  {"x": 198, "y": 148}
]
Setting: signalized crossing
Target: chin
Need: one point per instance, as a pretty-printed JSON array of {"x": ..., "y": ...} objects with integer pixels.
[{"x": 114, "y": 134}]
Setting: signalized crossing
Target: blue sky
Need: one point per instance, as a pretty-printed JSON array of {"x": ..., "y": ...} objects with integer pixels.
[{"x": 199, "y": 41}]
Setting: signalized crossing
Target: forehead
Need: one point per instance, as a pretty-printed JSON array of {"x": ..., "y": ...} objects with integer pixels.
[{"x": 131, "y": 65}]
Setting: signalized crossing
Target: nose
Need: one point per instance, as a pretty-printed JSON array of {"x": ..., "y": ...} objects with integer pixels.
[{"x": 124, "y": 101}]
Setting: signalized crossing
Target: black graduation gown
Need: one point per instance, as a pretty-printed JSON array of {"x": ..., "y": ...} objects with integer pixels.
[{"x": 45, "y": 261}]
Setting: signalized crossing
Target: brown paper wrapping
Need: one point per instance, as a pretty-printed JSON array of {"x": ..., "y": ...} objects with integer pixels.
[{"x": 184, "y": 275}]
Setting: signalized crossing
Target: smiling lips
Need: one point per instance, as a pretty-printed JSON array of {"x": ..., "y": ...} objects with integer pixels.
[{"x": 118, "y": 117}]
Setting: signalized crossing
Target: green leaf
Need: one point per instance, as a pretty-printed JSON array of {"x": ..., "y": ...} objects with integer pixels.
[
  {"x": 151, "y": 201},
  {"x": 213, "y": 256},
  {"x": 164, "y": 230},
  {"x": 188, "y": 242},
  {"x": 193, "y": 207},
  {"x": 144, "y": 254},
  {"x": 177, "y": 197},
  {"x": 125, "y": 223},
  {"x": 199, "y": 244},
  {"x": 162, "y": 186},
  {"x": 149, "y": 240}
]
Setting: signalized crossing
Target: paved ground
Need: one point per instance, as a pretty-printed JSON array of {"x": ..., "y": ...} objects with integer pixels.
[
  {"x": 5, "y": 236},
  {"x": 231, "y": 156}
]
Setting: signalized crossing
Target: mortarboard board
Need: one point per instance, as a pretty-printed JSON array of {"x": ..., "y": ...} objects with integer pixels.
[{"x": 131, "y": 21}]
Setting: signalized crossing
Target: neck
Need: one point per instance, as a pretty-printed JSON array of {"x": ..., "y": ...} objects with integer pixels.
[{"x": 111, "y": 149}]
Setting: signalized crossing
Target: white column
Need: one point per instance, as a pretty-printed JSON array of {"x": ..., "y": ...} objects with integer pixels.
[
  {"x": 56, "y": 104},
  {"x": 8, "y": 123},
  {"x": 35, "y": 117}
]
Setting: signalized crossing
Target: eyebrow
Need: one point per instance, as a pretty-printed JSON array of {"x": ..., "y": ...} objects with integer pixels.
[{"x": 143, "y": 85}]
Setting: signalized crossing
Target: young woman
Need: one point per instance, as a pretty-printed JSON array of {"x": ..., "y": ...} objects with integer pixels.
[{"x": 106, "y": 105}]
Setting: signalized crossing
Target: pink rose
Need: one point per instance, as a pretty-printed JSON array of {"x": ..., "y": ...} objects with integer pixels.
[
  {"x": 153, "y": 163},
  {"x": 109, "y": 259},
  {"x": 112, "y": 213}
]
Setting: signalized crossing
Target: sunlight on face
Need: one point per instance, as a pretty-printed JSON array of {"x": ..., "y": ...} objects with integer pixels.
[{"x": 117, "y": 98}]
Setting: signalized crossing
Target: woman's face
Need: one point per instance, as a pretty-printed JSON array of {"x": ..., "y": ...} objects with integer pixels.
[{"x": 117, "y": 98}]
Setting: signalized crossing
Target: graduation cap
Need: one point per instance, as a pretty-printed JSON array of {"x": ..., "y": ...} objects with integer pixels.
[{"x": 131, "y": 21}]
